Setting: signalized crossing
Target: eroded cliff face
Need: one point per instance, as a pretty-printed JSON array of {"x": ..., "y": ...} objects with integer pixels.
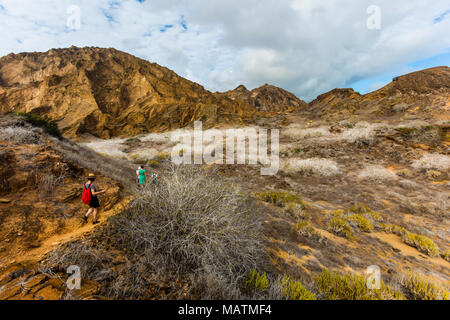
[{"x": 109, "y": 93}]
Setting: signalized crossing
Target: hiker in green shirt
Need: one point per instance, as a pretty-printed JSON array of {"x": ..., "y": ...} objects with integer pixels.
[{"x": 142, "y": 177}]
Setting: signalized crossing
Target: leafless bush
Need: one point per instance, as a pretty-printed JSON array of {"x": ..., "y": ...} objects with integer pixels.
[
  {"x": 305, "y": 133},
  {"x": 20, "y": 134},
  {"x": 323, "y": 167},
  {"x": 433, "y": 161},
  {"x": 361, "y": 132},
  {"x": 376, "y": 173},
  {"x": 47, "y": 183},
  {"x": 192, "y": 223},
  {"x": 94, "y": 261}
]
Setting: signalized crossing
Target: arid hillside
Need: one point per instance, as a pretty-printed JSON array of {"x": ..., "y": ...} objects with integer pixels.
[
  {"x": 421, "y": 95},
  {"x": 267, "y": 98},
  {"x": 41, "y": 179},
  {"x": 363, "y": 180},
  {"x": 108, "y": 93}
]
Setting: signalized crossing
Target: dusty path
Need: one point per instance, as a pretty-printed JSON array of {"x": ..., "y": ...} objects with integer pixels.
[{"x": 35, "y": 255}]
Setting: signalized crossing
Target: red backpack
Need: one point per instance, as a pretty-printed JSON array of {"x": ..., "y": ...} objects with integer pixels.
[{"x": 87, "y": 195}]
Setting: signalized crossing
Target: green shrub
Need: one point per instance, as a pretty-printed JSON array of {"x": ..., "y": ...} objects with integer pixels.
[
  {"x": 49, "y": 126},
  {"x": 362, "y": 223},
  {"x": 163, "y": 156},
  {"x": 359, "y": 208},
  {"x": 393, "y": 228},
  {"x": 255, "y": 281},
  {"x": 334, "y": 286},
  {"x": 294, "y": 290},
  {"x": 305, "y": 229},
  {"x": 405, "y": 131},
  {"x": 131, "y": 141},
  {"x": 362, "y": 209},
  {"x": 338, "y": 213},
  {"x": 417, "y": 287},
  {"x": 422, "y": 243},
  {"x": 153, "y": 163},
  {"x": 281, "y": 198},
  {"x": 340, "y": 227},
  {"x": 446, "y": 255}
]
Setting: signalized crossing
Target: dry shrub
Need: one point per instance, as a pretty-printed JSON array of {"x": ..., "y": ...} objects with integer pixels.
[
  {"x": 194, "y": 226},
  {"x": 192, "y": 223},
  {"x": 376, "y": 173},
  {"x": 323, "y": 167},
  {"x": 20, "y": 135},
  {"x": 362, "y": 132},
  {"x": 299, "y": 133},
  {"x": 47, "y": 183},
  {"x": 95, "y": 263},
  {"x": 433, "y": 161}
]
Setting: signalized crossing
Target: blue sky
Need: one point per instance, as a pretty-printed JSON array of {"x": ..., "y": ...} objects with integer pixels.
[
  {"x": 305, "y": 46},
  {"x": 373, "y": 83}
]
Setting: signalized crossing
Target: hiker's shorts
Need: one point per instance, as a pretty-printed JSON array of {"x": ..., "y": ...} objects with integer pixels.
[{"x": 94, "y": 203}]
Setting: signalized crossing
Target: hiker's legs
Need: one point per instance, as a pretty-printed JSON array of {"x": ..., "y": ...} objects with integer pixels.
[
  {"x": 95, "y": 214},
  {"x": 89, "y": 212}
]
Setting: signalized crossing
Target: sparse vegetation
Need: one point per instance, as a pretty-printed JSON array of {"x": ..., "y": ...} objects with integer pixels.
[
  {"x": 323, "y": 167},
  {"x": 132, "y": 141},
  {"x": 254, "y": 281},
  {"x": 340, "y": 227},
  {"x": 334, "y": 286},
  {"x": 20, "y": 134},
  {"x": 433, "y": 161},
  {"x": 295, "y": 290},
  {"x": 361, "y": 132},
  {"x": 49, "y": 126},
  {"x": 282, "y": 199},
  {"x": 154, "y": 163},
  {"x": 446, "y": 255},
  {"x": 362, "y": 223},
  {"x": 299, "y": 133},
  {"x": 361, "y": 208},
  {"x": 421, "y": 243},
  {"x": 47, "y": 183},
  {"x": 418, "y": 287},
  {"x": 376, "y": 173},
  {"x": 395, "y": 229},
  {"x": 305, "y": 229},
  {"x": 117, "y": 169}
]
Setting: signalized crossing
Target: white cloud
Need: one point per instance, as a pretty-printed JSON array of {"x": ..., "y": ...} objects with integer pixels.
[{"x": 306, "y": 46}]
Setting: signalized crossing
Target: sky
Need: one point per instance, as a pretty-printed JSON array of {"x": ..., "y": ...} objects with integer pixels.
[{"x": 305, "y": 46}]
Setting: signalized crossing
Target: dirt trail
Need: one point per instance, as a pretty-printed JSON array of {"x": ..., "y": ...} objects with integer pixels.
[{"x": 35, "y": 255}]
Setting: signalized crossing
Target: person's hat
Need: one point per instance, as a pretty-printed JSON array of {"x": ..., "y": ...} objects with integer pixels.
[{"x": 91, "y": 176}]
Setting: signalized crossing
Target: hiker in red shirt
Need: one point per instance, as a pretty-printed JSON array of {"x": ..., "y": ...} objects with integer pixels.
[{"x": 90, "y": 197}]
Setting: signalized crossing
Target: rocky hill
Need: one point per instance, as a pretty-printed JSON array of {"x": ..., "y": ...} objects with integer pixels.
[
  {"x": 267, "y": 98},
  {"x": 108, "y": 93},
  {"x": 419, "y": 95}
]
